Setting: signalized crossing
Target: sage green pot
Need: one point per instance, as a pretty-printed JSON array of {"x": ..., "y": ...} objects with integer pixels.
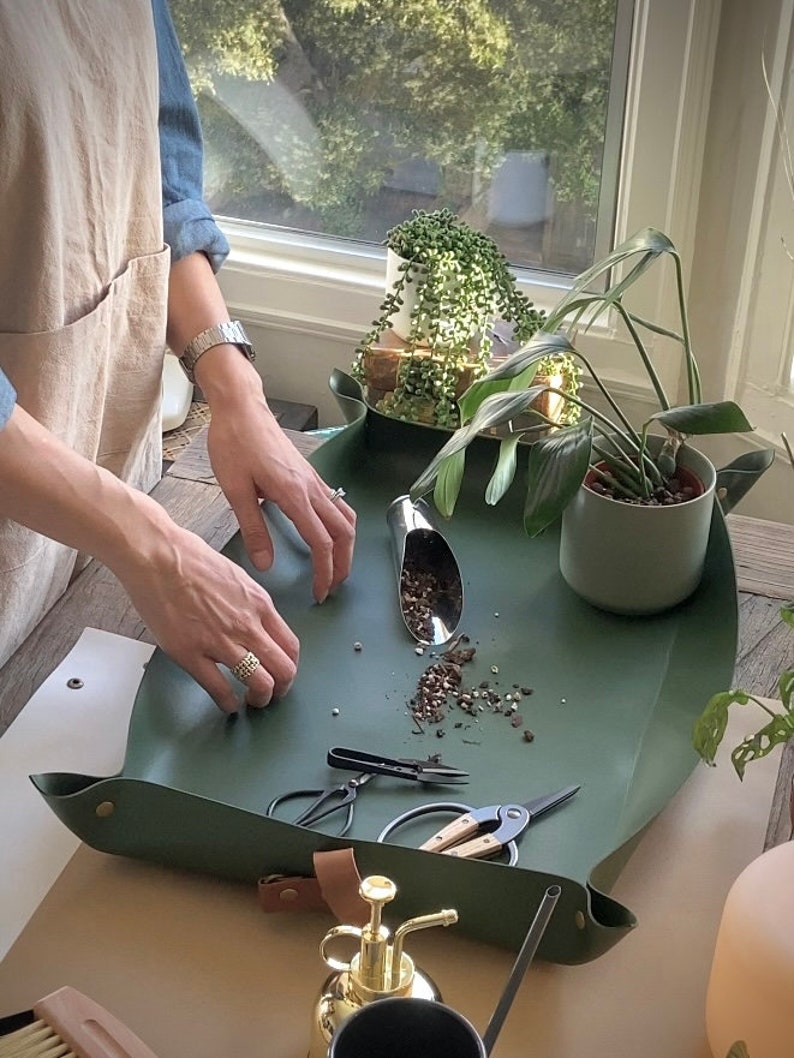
[{"x": 630, "y": 559}]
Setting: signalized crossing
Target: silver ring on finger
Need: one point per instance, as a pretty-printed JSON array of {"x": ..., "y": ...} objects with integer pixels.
[
  {"x": 246, "y": 667},
  {"x": 337, "y": 494}
]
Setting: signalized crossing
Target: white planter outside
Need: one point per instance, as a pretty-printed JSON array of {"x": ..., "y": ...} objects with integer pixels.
[
  {"x": 520, "y": 195},
  {"x": 631, "y": 559}
]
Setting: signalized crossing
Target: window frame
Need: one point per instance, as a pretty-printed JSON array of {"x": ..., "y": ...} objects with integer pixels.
[
  {"x": 321, "y": 288},
  {"x": 759, "y": 362}
]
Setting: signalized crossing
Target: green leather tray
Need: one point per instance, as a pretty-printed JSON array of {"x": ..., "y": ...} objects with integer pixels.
[{"x": 613, "y": 703}]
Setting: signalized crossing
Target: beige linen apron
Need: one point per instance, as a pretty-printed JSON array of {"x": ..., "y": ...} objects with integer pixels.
[{"x": 83, "y": 269}]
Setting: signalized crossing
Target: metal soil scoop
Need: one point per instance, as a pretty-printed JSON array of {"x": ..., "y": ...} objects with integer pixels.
[{"x": 429, "y": 585}]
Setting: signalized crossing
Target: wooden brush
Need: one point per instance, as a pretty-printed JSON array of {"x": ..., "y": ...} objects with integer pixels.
[{"x": 67, "y": 1024}]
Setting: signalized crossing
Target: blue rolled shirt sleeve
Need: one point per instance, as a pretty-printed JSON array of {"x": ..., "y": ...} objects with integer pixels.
[
  {"x": 187, "y": 220},
  {"x": 8, "y": 398}
]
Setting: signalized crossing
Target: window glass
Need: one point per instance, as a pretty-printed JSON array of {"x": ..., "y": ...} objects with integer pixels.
[{"x": 339, "y": 117}]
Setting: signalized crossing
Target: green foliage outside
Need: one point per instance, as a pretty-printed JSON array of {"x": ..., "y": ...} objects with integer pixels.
[{"x": 454, "y": 83}]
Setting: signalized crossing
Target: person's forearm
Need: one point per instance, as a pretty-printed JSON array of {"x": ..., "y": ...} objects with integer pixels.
[
  {"x": 47, "y": 487},
  {"x": 195, "y": 302}
]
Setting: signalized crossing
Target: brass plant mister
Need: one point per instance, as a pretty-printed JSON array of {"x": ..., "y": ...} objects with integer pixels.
[{"x": 380, "y": 968}]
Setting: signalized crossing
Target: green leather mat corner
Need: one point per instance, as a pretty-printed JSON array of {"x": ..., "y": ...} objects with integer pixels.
[{"x": 612, "y": 705}]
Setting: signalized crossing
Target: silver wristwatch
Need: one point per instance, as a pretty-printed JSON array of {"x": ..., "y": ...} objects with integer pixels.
[{"x": 231, "y": 333}]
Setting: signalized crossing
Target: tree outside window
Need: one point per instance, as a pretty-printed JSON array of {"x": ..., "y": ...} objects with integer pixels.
[{"x": 338, "y": 117}]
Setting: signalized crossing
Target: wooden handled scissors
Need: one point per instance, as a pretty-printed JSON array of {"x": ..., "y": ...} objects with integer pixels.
[{"x": 480, "y": 832}]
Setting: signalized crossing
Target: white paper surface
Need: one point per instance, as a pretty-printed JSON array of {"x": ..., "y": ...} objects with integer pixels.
[{"x": 60, "y": 729}]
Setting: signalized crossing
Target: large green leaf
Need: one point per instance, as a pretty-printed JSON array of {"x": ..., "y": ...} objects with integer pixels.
[
  {"x": 736, "y": 479},
  {"x": 490, "y": 385},
  {"x": 649, "y": 243},
  {"x": 724, "y": 416},
  {"x": 710, "y": 726},
  {"x": 514, "y": 367},
  {"x": 776, "y": 733},
  {"x": 505, "y": 470},
  {"x": 494, "y": 411},
  {"x": 448, "y": 482},
  {"x": 556, "y": 468}
]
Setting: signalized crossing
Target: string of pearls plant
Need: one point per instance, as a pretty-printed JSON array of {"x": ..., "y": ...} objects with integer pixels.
[{"x": 462, "y": 284}]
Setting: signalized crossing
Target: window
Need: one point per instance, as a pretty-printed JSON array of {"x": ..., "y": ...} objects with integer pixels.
[
  {"x": 308, "y": 298},
  {"x": 338, "y": 117}
]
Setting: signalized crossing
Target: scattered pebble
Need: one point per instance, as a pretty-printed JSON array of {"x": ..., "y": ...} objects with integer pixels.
[
  {"x": 334, "y": 712},
  {"x": 441, "y": 688}
]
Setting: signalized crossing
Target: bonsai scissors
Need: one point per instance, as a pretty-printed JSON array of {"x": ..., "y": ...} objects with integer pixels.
[
  {"x": 325, "y": 802},
  {"x": 343, "y": 796},
  {"x": 480, "y": 832}
]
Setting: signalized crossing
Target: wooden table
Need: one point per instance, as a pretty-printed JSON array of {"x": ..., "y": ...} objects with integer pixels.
[{"x": 764, "y": 554}]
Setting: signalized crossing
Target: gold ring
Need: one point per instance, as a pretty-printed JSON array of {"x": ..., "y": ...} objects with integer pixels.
[
  {"x": 246, "y": 667},
  {"x": 337, "y": 494}
]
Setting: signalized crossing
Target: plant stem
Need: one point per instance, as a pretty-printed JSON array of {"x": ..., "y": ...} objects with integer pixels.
[
  {"x": 757, "y": 701},
  {"x": 614, "y": 483},
  {"x": 609, "y": 399},
  {"x": 692, "y": 373},
  {"x": 656, "y": 382},
  {"x": 646, "y": 467},
  {"x": 625, "y": 470}
]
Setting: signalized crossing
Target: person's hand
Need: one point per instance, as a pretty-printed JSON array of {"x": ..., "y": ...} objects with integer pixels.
[
  {"x": 253, "y": 459},
  {"x": 203, "y": 609}
]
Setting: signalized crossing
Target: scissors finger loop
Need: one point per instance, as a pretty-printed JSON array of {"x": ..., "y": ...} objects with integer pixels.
[
  {"x": 417, "y": 813},
  {"x": 443, "y": 806}
]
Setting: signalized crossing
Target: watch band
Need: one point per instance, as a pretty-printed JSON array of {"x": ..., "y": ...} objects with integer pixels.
[{"x": 231, "y": 333}]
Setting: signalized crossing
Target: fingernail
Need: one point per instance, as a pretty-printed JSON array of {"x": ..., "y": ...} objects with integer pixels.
[{"x": 261, "y": 559}]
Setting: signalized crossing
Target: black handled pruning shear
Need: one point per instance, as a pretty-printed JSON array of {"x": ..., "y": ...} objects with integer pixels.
[
  {"x": 342, "y": 796},
  {"x": 423, "y": 771},
  {"x": 480, "y": 832}
]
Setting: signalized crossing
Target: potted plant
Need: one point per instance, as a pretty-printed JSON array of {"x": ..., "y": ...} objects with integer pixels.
[
  {"x": 636, "y": 506},
  {"x": 447, "y": 286}
]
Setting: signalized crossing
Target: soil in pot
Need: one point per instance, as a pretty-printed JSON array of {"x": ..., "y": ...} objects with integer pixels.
[{"x": 685, "y": 486}]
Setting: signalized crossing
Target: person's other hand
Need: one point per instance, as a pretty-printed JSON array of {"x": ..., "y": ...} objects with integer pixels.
[
  {"x": 253, "y": 459},
  {"x": 204, "y": 610}
]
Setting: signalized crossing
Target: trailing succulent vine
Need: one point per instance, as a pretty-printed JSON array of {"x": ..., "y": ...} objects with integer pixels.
[{"x": 463, "y": 285}]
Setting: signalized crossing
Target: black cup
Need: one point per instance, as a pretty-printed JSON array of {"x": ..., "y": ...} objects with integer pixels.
[{"x": 406, "y": 1028}]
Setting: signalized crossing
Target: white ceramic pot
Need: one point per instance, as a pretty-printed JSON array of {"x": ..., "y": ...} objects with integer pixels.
[
  {"x": 400, "y": 321},
  {"x": 631, "y": 559},
  {"x": 752, "y": 974}
]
